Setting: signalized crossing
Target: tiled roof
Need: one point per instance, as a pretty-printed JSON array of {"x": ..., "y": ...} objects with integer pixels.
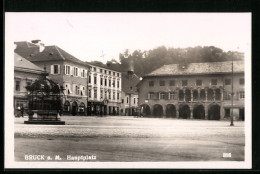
[
  {"x": 129, "y": 81},
  {"x": 21, "y": 63},
  {"x": 26, "y": 49},
  {"x": 53, "y": 52},
  {"x": 198, "y": 68}
]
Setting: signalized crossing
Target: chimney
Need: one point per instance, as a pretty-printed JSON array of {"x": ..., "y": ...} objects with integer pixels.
[{"x": 39, "y": 44}]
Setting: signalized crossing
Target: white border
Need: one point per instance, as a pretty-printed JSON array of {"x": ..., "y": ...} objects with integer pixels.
[{"x": 9, "y": 129}]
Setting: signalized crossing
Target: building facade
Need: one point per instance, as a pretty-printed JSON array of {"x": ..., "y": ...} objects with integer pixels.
[
  {"x": 195, "y": 91},
  {"x": 129, "y": 104},
  {"x": 66, "y": 70},
  {"x": 25, "y": 73},
  {"x": 104, "y": 90}
]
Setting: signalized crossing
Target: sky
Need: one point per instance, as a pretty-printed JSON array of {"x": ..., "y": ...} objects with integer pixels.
[{"x": 102, "y": 36}]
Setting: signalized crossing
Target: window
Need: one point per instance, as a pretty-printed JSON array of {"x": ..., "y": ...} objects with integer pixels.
[
  {"x": 95, "y": 93},
  {"x": 56, "y": 69},
  {"x": 114, "y": 73},
  {"x": 151, "y": 83},
  {"x": 150, "y": 95},
  {"x": 198, "y": 82},
  {"x": 227, "y": 81},
  {"x": 94, "y": 69},
  {"x": 227, "y": 112},
  {"x": 67, "y": 69},
  {"x": 109, "y": 83},
  {"x": 241, "y": 94},
  {"x": 89, "y": 93},
  {"x": 227, "y": 96},
  {"x": 122, "y": 100},
  {"x": 109, "y": 72},
  {"x": 172, "y": 82},
  {"x": 162, "y": 83},
  {"x": 171, "y": 95},
  {"x": 114, "y": 96},
  {"x": 118, "y": 84},
  {"x": 117, "y": 74},
  {"x": 28, "y": 82},
  {"x": 105, "y": 71},
  {"x": 118, "y": 96},
  {"x": 76, "y": 90},
  {"x": 75, "y": 71},
  {"x": 105, "y": 82},
  {"x": 109, "y": 95},
  {"x": 184, "y": 82},
  {"x": 242, "y": 81},
  {"x": 214, "y": 81},
  {"x": 162, "y": 95},
  {"x": 114, "y": 83},
  {"x": 89, "y": 79},
  {"x": 105, "y": 94},
  {"x": 17, "y": 85},
  {"x": 101, "y": 81},
  {"x": 95, "y": 80},
  {"x": 134, "y": 101},
  {"x": 101, "y": 70},
  {"x": 83, "y": 73},
  {"x": 127, "y": 100},
  {"x": 101, "y": 94}
]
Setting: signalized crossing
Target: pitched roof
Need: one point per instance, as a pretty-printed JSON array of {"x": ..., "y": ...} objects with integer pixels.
[
  {"x": 198, "y": 68},
  {"x": 53, "y": 52},
  {"x": 26, "y": 49},
  {"x": 129, "y": 81},
  {"x": 21, "y": 63}
]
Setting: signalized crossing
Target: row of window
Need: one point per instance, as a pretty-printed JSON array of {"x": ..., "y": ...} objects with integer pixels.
[
  {"x": 198, "y": 82},
  {"x": 72, "y": 70},
  {"x": 18, "y": 84},
  {"x": 94, "y": 69},
  {"x": 106, "y": 82},
  {"x": 76, "y": 89},
  {"x": 127, "y": 100},
  {"x": 104, "y": 94}
]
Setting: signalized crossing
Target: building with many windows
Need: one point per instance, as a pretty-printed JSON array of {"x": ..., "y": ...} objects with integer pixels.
[
  {"x": 25, "y": 73},
  {"x": 64, "y": 69},
  {"x": 104, "y": 90},
  {"x": 129, "y": 104},
  {"x": 195, "y": 90}
]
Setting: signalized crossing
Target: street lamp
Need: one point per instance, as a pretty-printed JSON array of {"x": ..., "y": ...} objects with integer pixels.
[{"x": 232, "y": 96}]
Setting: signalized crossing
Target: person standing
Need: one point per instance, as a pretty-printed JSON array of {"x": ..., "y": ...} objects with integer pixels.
[{"x": 22, "y": 111}]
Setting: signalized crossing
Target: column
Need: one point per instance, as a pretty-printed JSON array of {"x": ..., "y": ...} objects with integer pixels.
[
  {"x": 222, "y": 95},
  {"x": 164, "y": 111},
  {"x": 191, "y": 95},
  {"x": 184, "y": 95},
  {"x": 206, "y": 112},
  {"x": 198, "y": 94},
  {"x": 206, "y": 94},
  {"x": 214, "y": 94},
  {"x": 191, "y": 112},
  {"x": 177, "y": 111}
]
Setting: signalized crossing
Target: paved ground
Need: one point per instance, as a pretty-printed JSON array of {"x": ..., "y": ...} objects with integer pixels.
[{"x": 131, "y": 139}]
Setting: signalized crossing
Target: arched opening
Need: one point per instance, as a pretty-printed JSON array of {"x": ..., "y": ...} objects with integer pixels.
[
  {"x": 214, "y": 112},
  {"x": 195, "y": 95},
  {"x": 187, "y": 95},
  {"x": 199, "y": 112},
  {"x": 210, "y": 94},
  {"x": 82, "y": 108},
  {"x": 74, "y": 109},
  {"x": 66, "y": 107},
  {"x": 145, "y": 110},
  {"x": 170, "y": 111},
  {"x": 217, "y": 94},
  {"x": 202, "y": 95},
  {"x": 158, "y": 110},
  {"x": 184, "y": 111},
  {"x": 181, "y": 95}
]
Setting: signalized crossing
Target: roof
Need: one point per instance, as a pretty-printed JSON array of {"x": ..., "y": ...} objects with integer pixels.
[
  {"x": 31, "y": 52},
  {"x": 100, "y": 64},
  {"x": 199, "y": 68},
  {"x": 22, "y": 64},
  {"x": 129, "y": 81},
  {"x": 26, "y": 49}
]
